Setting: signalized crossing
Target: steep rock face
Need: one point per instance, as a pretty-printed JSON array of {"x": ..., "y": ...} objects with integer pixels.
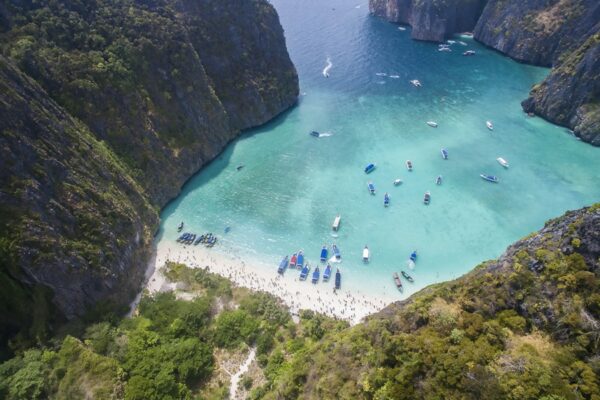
[
  {"x": 135, "y": 73},
  {"x": 71, "y": 218},
  {"x": 537, "y": 31},
  {"x": 145, "y": 92},
  {"x": 570, "y": 95},
  {"x": 432, "y": 20}
]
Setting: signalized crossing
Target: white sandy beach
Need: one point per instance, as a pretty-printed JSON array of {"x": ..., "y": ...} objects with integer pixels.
[{"x": 348, "y": 305}]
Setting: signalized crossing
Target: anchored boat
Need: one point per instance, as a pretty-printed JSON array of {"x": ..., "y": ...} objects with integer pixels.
[
  {"x": 432, "y": 124},
  {"x": 502, "y": 162},
  {"x": 397, "y": 281},
  {"x": 397, "y": 182},
  {"x": 407, "y": 277},
  {"x": 304, "y": 272},
  {"x": 366, "y": 254},
  {"x": 315, "y": 275},
  {"x": 489, "y": 125},
  {"x": 327, "y": 273},
  {"x": 438, "y": 180},
  {"x": 324, "y": 254},
  {"x": 409, "y": 165},
  {"x": 293, "y": 260},
  {"x": 413, "y": 256},
  {"x": 300, "y": 260},
  {"x": 338, "y": 279},
  {"x": 336, "y": 222},
  {"x": 336, "y": 252},
  {"x": 444, "y": 154},
  {"x": 427, "y": 198},
  {"x": 371, "y": 187},
  {"x": 489, "y": 178},
  {"x": 282, "y": 265},
  {"x": 386, "y": 200},
  {"x": 369, "y": 168}
]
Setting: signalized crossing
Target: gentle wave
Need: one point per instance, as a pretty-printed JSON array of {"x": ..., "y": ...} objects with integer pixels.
[{"x": 327, "y": 68}]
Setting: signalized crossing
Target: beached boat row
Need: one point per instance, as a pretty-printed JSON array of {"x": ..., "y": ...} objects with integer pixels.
[
  {"x": 207, "y": 239},
  {"x": 297, "y": 262}
]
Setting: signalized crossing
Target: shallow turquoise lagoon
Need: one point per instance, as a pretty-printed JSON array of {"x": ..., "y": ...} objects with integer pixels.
[{"x": 293, "y": 185}]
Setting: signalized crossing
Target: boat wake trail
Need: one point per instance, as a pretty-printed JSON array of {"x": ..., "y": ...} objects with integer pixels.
[{"x": 327, "y": 68}]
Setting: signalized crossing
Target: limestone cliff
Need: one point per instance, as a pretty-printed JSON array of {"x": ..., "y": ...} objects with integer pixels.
[
  {"x": 128, "y": 99},
  {"x": 432, "y": 20}
]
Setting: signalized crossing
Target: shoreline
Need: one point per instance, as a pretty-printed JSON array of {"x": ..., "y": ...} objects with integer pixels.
[{"x": 351, "y": 306}]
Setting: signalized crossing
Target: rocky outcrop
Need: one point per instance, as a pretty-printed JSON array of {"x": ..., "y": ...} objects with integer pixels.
[
  {"x": 537, "y": 32},
  {"x": 558, "y": 33},
  {"x": 431, "y": 20},
  {"x": 570, "y": 95},
  {"x": 127, "y": 100},
  {"x": 71, "y": 218},
  {"x": 563, "y": 34}
]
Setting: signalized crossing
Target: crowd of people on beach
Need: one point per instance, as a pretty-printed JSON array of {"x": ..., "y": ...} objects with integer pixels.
[{"x": 346, "y": 305}]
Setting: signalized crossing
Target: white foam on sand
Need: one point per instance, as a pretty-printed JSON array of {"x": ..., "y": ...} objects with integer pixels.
[{"x": 349, "y": 305}]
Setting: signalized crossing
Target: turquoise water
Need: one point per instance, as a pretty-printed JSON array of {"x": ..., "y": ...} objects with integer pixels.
[{"x": 293, "y": 185}]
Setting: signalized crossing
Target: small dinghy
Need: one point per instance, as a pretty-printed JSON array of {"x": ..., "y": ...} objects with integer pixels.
[
  {"x": 369, "y": 168},
  {"x": 489, "y": 178},
  {"x": 293, "y": 260},
  {"x": 401, "y": 28},
  {"x": 432, "y": 124},
  {"x": 407, "y": 277},
  {"x": 409, "y": 165},
  {"x": 386, "y": 200},
  {"x": 324, "y": 254},
  {"x": 300, "y": 260},
  {"x": 469, "y": 52},
  {"x": 397, "y": 182},
  {"x": 397, "y": 281},
  {"x": 371, "y": 187},
  {"x": 282, "y": 265},
  {"x": 413, "y": 256},
  {"x": 180, "y": 227},
  {"x": 336, "y": 222},
  {"x": 327, "y": 273},
  {"x": 366, "y": 254},
  {"x": 444, "y": 154},
  {"x": 304, "y": 272},
  {"x": 416, "y": 83},
  {"x": 336, "y": 252},
  {"x": 438, "y": 180},
  {"x": 489, "y": 125},
  {"x": 315, "y": 275},
  {"x": 427, "y": 198},
  {"x": 502, "y": 162},
  {"x": 239, "y": 167},
  {"x": 314, "y": 133},
  {"x": 338, "y": 279}
]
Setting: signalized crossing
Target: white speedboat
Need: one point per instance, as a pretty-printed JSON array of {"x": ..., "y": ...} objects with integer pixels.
[
  {"x": 502, "y": 162},
  {"x": 416, "y": 83},
  {"x": 397, "y": 182},
  {"x": 448, "y": 49},
  {"x": 489, "y": 125},
  {"x": 366, "y": 254},
  {"x": 432, "y": 124},
  {"x": 409, "y": 165}
]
